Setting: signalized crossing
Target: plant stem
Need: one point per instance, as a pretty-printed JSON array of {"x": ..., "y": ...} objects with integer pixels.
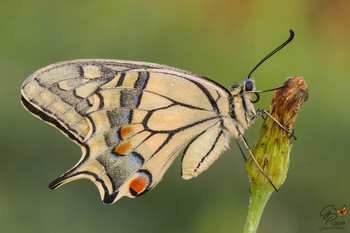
[
  {"x": 273, "y": 147},
  {"x": 257, "y": 201}
]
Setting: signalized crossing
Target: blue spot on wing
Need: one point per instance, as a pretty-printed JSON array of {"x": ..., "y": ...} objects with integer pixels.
[
  {"x": 127, "y": 117},
  {"x": 136, "y": 158}
]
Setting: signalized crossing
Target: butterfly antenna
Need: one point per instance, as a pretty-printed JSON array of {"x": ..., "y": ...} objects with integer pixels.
[{"x": 291, "y": 36}]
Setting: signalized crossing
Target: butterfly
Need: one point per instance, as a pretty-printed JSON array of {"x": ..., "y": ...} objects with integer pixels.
[
  {"x": 131, "y": 119},
  {"x": 343, "y": 210}
]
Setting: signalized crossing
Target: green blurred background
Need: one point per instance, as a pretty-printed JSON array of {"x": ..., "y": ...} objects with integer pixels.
[{"x": 220, "y": 39}]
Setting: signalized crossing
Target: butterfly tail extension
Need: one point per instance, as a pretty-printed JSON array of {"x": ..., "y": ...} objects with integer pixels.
[
  {"x": 60, "y": 181},
  {"x": 89, "y": 168},
  {"x": 93, "y": 171}
]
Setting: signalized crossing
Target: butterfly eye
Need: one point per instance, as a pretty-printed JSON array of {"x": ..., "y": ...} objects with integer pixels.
[
  {"x": 257, "y": 98},
  {"x": 249, "y": 86}
]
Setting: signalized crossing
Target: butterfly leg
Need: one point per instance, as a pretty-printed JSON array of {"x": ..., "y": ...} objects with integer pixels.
[
  {"x": 240, "y": 148},
  {"x": 258, "y": 113},
  {"x": 292, "y": 135},
  {"x": 262, "y": 112},
  {"x": 252, "y": 156},
  {"x": 275, "y": 120},
  {"x": 262, "y": 115}
]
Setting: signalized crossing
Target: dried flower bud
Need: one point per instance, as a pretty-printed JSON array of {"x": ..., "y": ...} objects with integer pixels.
[{"x": 274, "y": 144}]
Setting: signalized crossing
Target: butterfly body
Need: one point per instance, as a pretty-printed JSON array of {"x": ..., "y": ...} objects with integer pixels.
[{"x": 131, "y": 120}]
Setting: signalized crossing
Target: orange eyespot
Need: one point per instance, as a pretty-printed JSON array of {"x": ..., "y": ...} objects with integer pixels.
[
  {"x": 125, "y": 131},
  {"x": 122, "y": 148},
  {"x": 138, "y": 184}
]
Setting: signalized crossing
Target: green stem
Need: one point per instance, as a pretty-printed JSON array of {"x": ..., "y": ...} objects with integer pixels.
[{"x": 257, "y": 201}]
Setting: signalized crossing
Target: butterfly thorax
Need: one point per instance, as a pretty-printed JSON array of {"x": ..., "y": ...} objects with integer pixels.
[{"x": 241, "y": 106}]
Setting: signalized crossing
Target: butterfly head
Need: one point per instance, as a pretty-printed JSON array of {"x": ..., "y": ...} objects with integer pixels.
[
  {"x": 242, "y": 94},
  {"x": 245, "y": 88},
  {"x": 247, "y": 84}
]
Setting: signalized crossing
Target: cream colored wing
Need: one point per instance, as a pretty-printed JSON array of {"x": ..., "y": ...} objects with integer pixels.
[
  {"x": 60, "y": 95},
  {"x": 133, "y": 119},
  {"x": 204, "y": 150}
]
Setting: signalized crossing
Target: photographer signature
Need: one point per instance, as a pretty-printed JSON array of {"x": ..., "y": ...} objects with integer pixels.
[{"x": 329, "y": 215}]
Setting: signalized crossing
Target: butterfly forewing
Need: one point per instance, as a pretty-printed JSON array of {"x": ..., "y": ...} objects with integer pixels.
[{"x": 131, "y": 120}]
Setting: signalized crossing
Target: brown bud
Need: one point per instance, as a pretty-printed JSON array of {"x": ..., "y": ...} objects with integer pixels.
[{"x": 274, "y": 144}]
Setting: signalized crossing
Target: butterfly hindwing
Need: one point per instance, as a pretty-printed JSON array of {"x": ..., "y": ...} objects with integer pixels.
[
  {"x": 131, "y": 120},
  {"x": 203, "y": 151}
]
